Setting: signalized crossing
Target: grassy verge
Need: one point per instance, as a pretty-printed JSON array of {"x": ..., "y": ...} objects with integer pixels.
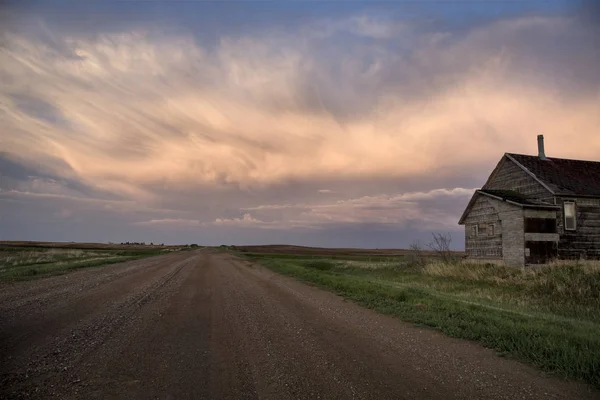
[
  {"x": 548, "y": 317},
  {"x": 28, "y": 263}
]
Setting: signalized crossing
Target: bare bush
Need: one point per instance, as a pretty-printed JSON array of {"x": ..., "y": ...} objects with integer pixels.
[
  {"x": 440, "y": 245},
  {"x": 417, "y": 255}
]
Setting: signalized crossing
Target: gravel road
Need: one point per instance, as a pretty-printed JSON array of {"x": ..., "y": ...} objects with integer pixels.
[{"x": 203, "y": 325}]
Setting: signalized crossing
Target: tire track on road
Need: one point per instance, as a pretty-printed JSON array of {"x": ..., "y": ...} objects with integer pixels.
[{"x": 54, "y": 351}]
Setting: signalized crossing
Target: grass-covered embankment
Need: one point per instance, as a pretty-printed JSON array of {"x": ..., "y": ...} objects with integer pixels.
[{"x": 548, "y": 316}]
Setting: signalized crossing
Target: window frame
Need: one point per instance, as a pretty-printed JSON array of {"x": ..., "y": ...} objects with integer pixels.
[
  {"x": 482, "y": 229},
  {"x": 491, "y": 229},
  {"x": 574, "y": 214},
  {"x": 474, "y": 230}
]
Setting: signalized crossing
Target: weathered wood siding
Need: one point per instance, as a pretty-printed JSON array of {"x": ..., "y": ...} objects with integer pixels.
[
  {"x": 513, "y": 238},
  {"x": 483, "y": 246},
  {"x": 507, "y": 243},
  {"x": 509, "y": 176},
  {"x": 532, "y": 213},
  {"x": 584, "y": 242},
  {"x": 509, "y": 239}
]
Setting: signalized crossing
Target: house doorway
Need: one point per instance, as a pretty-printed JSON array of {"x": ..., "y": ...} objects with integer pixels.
[{"x": 540, "y": 252}]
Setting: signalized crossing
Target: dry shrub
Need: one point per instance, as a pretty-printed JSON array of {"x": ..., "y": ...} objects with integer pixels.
[
  {"x": 565, "y": 281},
  {"x": 471, "y": 271},
  {"x": 573, "y": 281},
  {"x": 441, "y": 245},
  {"x": 417, "y": 255}
]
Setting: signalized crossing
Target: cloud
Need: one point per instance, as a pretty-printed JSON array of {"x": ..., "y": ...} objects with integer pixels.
[
  {"x": 400, "y": 210},
  {"x": 145, "y": 108},
  {"x": 246, "y": 221},
  {"x": 369, "y": 26},
  {"x": 171, "y": 222},
  {"x": 64, "y": 213},
  {"x": 428, "y": 210},
  {"x": 81, "y": 202},
  {"x": 288, "y": 127},
  {"x": 274, "y": 207}
]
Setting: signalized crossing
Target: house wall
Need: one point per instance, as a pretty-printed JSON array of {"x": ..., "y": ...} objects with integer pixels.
[
  {"x": 483, "y": 246},
  {"x": 508, "y": 242},
  {"x": 531, "y": 213},
  {"x": 584, "y": 242},
  {"x": 509, "y": 176},
  {"x": 541, "y": 237},
  {"x": 513, "y": 240}
]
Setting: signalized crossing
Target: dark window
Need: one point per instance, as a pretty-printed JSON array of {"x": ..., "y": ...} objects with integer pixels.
[
  {"x": 540, "y": 252},
  {"x": 481, "y": 230},
  {"x": 474, "y": 230},
  {"x": 570, "y": 220},
  {"x": 540, "y": 225}
]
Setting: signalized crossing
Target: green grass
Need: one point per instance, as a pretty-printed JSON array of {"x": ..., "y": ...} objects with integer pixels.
[
  {"x": 548, "y": 317},
  {"x": 370, "y": 258},
  {"x": 18, "y": 263}
]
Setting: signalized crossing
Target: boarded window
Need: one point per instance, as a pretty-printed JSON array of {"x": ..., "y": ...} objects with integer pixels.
[
  {"x": 481, "y": 230},
  {"x": 540, "y": 225},
  {"x": 570, "y": 221},
  {"x": 491, "y": 230},
  {"x": 474, "y": 230}
]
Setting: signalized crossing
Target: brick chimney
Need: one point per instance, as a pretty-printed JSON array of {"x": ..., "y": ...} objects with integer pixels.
[{"x": 541, "y": 153}]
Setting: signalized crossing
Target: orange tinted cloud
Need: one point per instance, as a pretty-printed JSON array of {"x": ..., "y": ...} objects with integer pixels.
[
  {"x": 161, "y": 122},
  {"x": 137, "y": 110}
]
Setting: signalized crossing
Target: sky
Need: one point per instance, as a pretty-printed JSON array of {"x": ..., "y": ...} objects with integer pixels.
[{"x": 321, "y": 123}]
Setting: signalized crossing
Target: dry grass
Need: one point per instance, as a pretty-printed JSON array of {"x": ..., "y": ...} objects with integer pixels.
[
  {"x": 471, "y": 271},
  {"x": 42, "y": 256},
  {"x": 25, "y": 262},
  {"x": 576, "y": 282}
]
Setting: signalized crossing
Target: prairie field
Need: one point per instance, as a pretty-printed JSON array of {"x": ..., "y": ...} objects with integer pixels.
[
  {"x": 17, "y": 262},
  {"x": 547, "y": 316}
]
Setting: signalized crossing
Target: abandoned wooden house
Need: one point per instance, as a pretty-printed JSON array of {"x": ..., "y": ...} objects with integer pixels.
[{"x": 533, "y": 209}]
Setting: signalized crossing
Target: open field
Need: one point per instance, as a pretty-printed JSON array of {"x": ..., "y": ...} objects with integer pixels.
[
  {"x": 33, "y": 260},
  {"x": 321, "y": 251},
  {"x": 89, "y": 246},
  {"x": 547, "y": 316}
]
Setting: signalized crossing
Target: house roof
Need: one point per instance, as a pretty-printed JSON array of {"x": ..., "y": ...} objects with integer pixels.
[
  {"x": 563, "y": 176},
  {"x": 512, "y": 196},
  {"x": 509, "y": 196}
]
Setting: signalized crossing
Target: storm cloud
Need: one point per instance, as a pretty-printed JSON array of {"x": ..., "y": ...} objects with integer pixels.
[{"x": 358, "y": 128}]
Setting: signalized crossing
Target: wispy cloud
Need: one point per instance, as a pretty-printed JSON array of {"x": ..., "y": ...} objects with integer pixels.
[
  {"x": 143, "y": 108},
  {"x": 285, "y": 127},
  {"x": 247, "y": 220},
  {"x": 171, "y": 222},
  {"x": 398, "y": 209}
]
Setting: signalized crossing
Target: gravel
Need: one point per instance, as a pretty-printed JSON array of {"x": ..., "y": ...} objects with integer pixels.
[{"x": 203, "y": 325}]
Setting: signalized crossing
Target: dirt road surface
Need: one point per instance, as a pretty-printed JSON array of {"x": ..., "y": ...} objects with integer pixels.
[{"x": 202, "y": 325}]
